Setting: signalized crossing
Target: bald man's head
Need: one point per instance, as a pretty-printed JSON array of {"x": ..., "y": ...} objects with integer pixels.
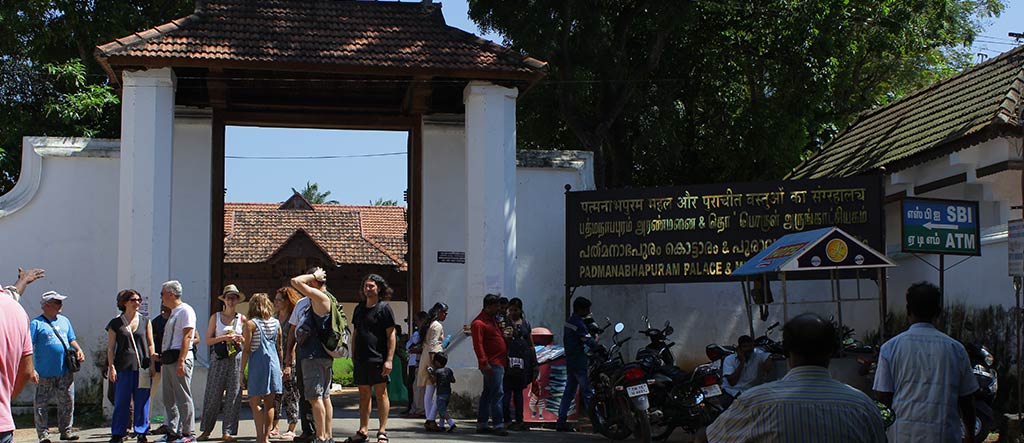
[{"x": 809, "y": 340}]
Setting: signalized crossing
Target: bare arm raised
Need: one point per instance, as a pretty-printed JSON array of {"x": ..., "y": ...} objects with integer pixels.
[{"x": 310, "y": 285}]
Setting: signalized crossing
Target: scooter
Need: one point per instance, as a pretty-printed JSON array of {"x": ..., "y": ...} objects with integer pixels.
[
  {"x": 678, "y": 399},
  {"x": 619, "y": 406}
]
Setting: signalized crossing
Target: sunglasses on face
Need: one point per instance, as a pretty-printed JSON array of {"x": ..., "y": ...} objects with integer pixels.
[
  {"x": 135, "y": 299},
  {"x": 56, "y": 302}
]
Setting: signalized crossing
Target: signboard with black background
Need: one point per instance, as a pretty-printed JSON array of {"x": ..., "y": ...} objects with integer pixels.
[{"x": 702, "y": 233}]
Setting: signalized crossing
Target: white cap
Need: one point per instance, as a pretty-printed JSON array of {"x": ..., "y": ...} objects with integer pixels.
[{"x": 52, "y": 295}]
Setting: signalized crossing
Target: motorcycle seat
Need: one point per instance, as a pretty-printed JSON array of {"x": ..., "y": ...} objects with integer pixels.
[
  {"x": 673, "y": 372},
  {"x": 723, "y": 350}
]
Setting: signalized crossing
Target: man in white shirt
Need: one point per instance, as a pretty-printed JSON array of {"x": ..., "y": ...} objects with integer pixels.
[
  {"x": 176, "y": 376},
  {"x": 926, "y": 377},
  {"x": 743, "y": 369}
]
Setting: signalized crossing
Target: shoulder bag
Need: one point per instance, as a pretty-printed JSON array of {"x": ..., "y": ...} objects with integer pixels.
[{"x": 70, "y": 356}]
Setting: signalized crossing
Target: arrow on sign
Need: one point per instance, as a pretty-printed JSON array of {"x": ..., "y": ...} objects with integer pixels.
[{"x": 931, "y": 226}]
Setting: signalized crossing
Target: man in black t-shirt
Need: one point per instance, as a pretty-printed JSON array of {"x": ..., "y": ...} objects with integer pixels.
[{"x": 373, "y": 350}]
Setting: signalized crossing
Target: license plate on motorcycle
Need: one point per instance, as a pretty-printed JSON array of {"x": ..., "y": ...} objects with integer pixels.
[
  {"x": 711, "y": 391},
  {"x": 633, "y": 391}
]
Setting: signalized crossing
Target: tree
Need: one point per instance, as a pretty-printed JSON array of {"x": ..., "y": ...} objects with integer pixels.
[
  {"x": 49, "y": 82},
  {"x": 313, "y": 195},
  {"x": 381, "y": 202},
  {"x": 673, "y": 92}
]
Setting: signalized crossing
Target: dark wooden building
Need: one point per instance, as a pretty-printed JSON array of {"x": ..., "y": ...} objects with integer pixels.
[{"x": 266, "y": 244}]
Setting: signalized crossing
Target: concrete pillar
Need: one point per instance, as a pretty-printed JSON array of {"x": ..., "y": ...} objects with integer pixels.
[
  {"x": 491, "y": 192},
  {"x": 144, "y": 212}
]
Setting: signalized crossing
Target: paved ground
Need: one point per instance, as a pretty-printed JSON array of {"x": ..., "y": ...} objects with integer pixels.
[{"x": 346, "y": 420}]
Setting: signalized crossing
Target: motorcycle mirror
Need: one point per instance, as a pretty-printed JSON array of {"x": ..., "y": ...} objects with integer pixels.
[
  {"x": 667, "y": 331},
  {"x": 666, "y": 324},
  {"x": 619, "y": 327}
]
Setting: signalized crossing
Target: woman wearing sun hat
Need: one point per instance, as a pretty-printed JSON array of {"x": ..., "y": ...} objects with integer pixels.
[{"x": 223, "y": 385}]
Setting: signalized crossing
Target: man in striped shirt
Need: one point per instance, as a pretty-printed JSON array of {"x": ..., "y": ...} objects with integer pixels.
[
  {"x": 807, "y": 405},
  {"x": 926, "y": 376}
]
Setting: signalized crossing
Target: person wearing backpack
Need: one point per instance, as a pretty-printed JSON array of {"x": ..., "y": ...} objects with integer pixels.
[
  {"x": 373, "y": 353},
  {"x": 311, "y": 354},
  {"x": 522, "y": 364}
]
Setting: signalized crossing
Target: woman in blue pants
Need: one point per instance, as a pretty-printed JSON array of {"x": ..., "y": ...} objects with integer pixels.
[{"x": 129, "y": 356}]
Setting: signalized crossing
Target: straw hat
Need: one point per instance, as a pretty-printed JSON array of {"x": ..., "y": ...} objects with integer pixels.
[{"x": 232, "y": 289}]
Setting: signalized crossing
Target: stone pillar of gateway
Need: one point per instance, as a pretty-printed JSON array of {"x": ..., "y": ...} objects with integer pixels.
[{"x": 144, "y": 209}]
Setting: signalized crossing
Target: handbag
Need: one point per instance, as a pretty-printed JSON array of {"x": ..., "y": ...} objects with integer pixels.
[
  {"x": 144, "y": 380},
  {"x": 70, "y": 356},
  {"x": 170, "y": 356}
]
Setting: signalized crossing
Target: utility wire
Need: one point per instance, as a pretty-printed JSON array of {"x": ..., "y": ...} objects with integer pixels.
[{"x": 311, "y": 157}]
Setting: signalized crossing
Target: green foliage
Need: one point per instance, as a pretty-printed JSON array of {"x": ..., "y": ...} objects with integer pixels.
[
  {"x": 80, "y": 105},
  {"x": 675, "y": 92},
  {"x": 313, "y": 195},
  {"x": 50, "y": 84},
  {"x": 342, "y": 372},
  {"x": 381, "y": 202}
]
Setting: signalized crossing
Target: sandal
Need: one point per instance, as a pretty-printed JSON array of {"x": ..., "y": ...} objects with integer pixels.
[
  {"x": 360, "y": 437},
  {"x": 382, "y": 437},
  {"x": 288, "y": 435}
]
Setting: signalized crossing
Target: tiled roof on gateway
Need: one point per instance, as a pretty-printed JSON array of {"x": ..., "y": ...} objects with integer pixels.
[
  {"x": 254, "y": 232},
  {"x": 976, "y": 105},
  {"x": 362, "y": 34}
]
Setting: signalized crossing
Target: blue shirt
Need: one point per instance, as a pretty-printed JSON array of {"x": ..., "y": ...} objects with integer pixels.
[
  {"x": 577, "y": 337},
  {"x": 49, "y": 348},
  {"x": 807, "y": 405}
]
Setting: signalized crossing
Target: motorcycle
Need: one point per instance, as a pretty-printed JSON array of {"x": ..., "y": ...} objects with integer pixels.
[
  {"x": 619, "y": 405},
  {"x": 678, "y": 399},
  {"x": 983, "y": 365}
]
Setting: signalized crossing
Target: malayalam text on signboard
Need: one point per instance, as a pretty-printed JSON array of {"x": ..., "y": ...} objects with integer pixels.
[
  {"x": 934, "y": 226},
  {"x": 704, "y": 232}
]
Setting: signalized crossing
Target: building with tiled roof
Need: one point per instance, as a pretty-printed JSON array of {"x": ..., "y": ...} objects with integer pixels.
[
  {"x": 267, "y": 243},
  {"x": 960, "y": 139},
  {"x": 977, "y": 105}
]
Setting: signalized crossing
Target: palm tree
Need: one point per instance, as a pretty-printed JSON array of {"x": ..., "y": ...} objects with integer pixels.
[
  {"x": 313, "y": 195},
  {"x": 382, "y": 202}
]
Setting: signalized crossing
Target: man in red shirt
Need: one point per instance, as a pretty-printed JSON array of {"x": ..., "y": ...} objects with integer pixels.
[{"x": 491, "y": 355}]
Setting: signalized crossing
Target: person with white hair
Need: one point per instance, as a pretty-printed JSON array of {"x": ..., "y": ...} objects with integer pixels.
[
  {"x": 178, "y": 360},
  {"x": 52, "y": 338}
]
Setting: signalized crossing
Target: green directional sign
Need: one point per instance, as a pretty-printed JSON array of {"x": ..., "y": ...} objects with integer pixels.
[{"x": 940, "y": 226}]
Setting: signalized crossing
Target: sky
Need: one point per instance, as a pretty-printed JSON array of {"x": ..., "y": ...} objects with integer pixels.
[
  {"x": 379, "y": 172},
  {"x": 359, "y": 167}
]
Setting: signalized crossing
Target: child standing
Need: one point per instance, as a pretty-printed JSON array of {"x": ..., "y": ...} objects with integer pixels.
[{"x": 443, "y": 378}]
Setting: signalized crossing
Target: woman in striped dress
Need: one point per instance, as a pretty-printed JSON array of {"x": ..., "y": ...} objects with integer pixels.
[{"x": 261, "y": 351}]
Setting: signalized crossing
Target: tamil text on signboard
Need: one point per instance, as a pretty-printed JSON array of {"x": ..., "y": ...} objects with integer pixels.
[
  {"x": 940, "y": 226},
  {"x": 704, "y": 232}
]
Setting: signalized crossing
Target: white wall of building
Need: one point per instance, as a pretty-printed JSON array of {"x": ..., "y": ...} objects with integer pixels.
[
  {"x": 65, "y": 228},
  {"x": 190, "y": 215}
]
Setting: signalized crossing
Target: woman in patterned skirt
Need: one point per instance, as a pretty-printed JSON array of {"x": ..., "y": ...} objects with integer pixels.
[
  {"x": 223, "y": 394},
  {"x": 261, "y": 351},
  {"x": 288, "y": 402}
]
